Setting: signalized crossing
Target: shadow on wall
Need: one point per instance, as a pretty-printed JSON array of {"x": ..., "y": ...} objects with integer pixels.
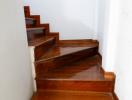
[
  {"x": 74, "y": 19},
  {"x": 74, "y": 29}
]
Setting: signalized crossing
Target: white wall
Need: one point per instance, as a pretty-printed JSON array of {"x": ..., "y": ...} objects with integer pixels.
[
  {"x": 74, "y": 19},
  {"x": 15, "y": 69},
  {"x": 107, "y": 31},
  {"x": 117, "y": 45},
  {"x": 123, "y": 61}
]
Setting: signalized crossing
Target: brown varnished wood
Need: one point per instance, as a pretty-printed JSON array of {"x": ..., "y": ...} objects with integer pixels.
[
  {"x": 36, "y": 18},
  {"x": 80, "y": 76},
  {"x": 88, "y": 69},
  {"x": 55, "y": 34},
  {"x": 33, "y": 37},
  {"x": 81, "y": 42},
  {"x": 76, "y": 85},
  {"x": 36, "y": 42},
  {"x": 38, "y": 24},
  {"x": 72, "y": 95},
  {"x": 68, "y": 69},
  {"x": 59, "y": 51},
  {"x": 43, "y": 48},
  {"x": 27, "y": 11},
  {"x": 43, "y": 65}
]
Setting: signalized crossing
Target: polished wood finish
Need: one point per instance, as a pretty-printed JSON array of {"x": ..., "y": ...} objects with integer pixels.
[
  {"x": 44, "y": 65},
  {"x": 39, "y": 41},
  {"x": 67, "y": 69},
  {"x": 26, "y": 11},
  {"x": 72, "y": 95},
  {"x": 59, "y": 51},
  {"x": 80, "y": 76},
  {"x": 80, "y": 42},
  {"x": 43, "y": 48},
  {"x": 37, "y": 19}
]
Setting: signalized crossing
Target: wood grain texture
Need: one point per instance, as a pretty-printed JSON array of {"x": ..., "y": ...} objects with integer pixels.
[
  {"x": 67, "y": 69},
  {"x": 72, "y": 95},
  {"x": 44, "y": 47},
  {"x": 80, "y": 76},
  {"x": 80, "y": 42},
  {"x": 45, "y": 65}
]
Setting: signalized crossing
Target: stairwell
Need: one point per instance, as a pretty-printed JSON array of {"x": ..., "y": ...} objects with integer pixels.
[{"x": 66, "y": 69}]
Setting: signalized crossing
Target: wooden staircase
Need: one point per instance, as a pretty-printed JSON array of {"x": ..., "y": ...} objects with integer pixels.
[{"x": 66, "y": 69}]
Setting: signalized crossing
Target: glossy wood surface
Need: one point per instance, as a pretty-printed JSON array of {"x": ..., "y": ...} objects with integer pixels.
[
  {"x": 38, "y": 41},
  {"x": 43, "y": 66},
  {"x": 86, "y": 69},
  {"x": 62, "y": 51},
  {"x": 72, "y": 95},
  {"x": 83, "y": 75},
  {"x": 80, "y": 42},
  {"x": 67, "y": 69}
]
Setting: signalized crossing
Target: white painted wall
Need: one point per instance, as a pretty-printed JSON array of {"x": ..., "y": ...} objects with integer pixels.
[
  {"x": 15, "y": 68},
  {"x": 74, "y": 19},
  {"x": 117, "y": 45},
  {"x": 107, "y": 31},
  {"x": 123, "y": 61}
]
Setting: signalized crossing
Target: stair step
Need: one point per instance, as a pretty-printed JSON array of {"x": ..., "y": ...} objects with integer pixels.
[
  {"x": 39, "y": 30},
  {"x": 72, "y": 95},
  {"x": 86, "y": 69},
  {"x": 59, "y": 56},
  {"x": 29, "y": 21},
  {"x": 59, "y": 51},
  {"x": 39, "y": 41},
  {"x": 84, "y": 75}
]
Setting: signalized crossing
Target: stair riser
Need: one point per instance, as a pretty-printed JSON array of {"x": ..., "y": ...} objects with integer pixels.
[
  {"x": 33, "y": 36},
  {"x": 40, "y": 50},
  {"x": 45, "y": 66},
  {"x": 73, "y": 85},
  {"x": 80, "y": 42},
  {"x": 37, "y": 31},
  {"x": 30, "y": 23}
]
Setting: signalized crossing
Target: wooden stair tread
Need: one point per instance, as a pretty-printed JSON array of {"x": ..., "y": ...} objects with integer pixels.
[
  {"x": 71, "y": 95},
  {"x": 38, "y": 41},
  {"x": 86, "y": 69},
  {"x": 61, "y": 51}
]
